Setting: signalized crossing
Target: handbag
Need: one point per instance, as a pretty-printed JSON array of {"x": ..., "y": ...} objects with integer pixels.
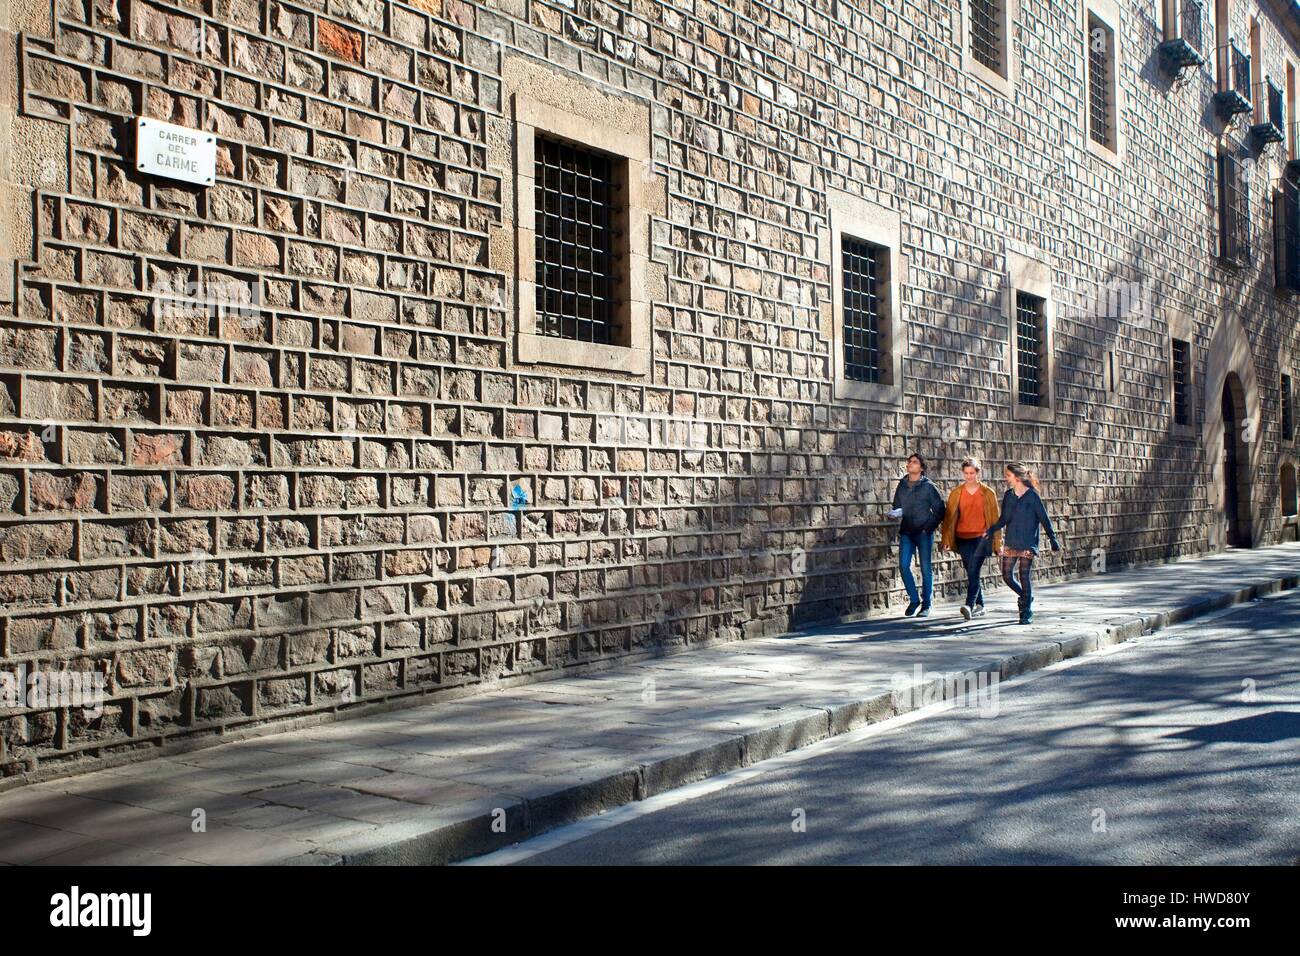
[{"x": 985, "y": 547}]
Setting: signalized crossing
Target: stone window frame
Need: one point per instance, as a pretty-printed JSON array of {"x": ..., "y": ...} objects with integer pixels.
[
  {"x": 1034, "y": 277},
  {"x": 1181, "y": 329},
  {"x": 1108, "y": 12},
  {"x": 992, "y": 78},
  {"x": 582, "y": 122},
  {"x": 861, "y": 219}
]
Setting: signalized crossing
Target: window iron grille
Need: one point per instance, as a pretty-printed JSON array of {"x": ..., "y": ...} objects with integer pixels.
[
  {"x": 863, "y": 268},
  {"x": 1288, "y": 410},
  {"x": 574, "y": 241},
  {"x": 1272, "y": 119},
  {"x": 1234, "y": 81},
  {"x": 1182, "y": 368},
  {"x": 1286, "y": 232},
  {"x": 1234, "y": 212},
  {"x": 988, "y": 40},
  {"x": 1101, "y": 82},
  {"x": 1031, "y": 321}
]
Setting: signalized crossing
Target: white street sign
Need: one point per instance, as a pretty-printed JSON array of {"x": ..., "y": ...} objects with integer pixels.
[{"x": 165, "y": 149}]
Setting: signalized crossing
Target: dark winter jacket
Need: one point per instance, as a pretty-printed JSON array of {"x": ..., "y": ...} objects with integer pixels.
[
  {"x": 1022, "y": 515},
  {"x": 921, "y": 503}
]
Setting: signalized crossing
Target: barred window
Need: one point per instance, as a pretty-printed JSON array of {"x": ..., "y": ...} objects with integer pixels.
[
  {"x": 1182, "y": 372},
  {"x": 574, "y": 241},
  {"x": 864, "y": 272},
  {"x": 863, "y": 321},
  {"x": 1031, "y": 338},
  {"x": 1101, "y": 82},
  {"x": 1286, "y": 232},
  {"x": 1234, "y": 211},
  {"x": 1288, "y": 420},
  {"x": 988, "y": 39},
  {"x": 1184, "y": 19}
]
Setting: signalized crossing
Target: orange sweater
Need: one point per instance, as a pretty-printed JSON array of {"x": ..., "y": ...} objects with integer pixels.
[
  {"x": 948, "y": 530},
  {"x": 970, "y": 515}
]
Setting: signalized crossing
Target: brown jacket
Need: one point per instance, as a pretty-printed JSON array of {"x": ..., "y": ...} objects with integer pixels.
[{"x": 947, "y": 536}]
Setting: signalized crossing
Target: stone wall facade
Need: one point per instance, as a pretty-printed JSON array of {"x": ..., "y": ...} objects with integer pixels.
[{"x": 242, "y": 518}]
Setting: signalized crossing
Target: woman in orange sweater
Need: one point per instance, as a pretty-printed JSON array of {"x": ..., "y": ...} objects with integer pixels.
[{"x": 972, "y": 510}]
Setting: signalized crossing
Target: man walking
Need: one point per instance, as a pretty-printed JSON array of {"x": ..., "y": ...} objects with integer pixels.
[{"x": 918, "y": 507}]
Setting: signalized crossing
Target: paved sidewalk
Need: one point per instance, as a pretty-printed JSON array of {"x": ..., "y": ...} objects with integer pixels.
[{"x": 426, "y": 784}]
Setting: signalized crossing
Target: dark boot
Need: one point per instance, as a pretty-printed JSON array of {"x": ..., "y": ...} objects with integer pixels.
[{"x": 1026, "y": 612}]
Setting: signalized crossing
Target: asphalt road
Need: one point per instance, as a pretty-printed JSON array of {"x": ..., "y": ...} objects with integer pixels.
[{"x": 1183, "y": 748}]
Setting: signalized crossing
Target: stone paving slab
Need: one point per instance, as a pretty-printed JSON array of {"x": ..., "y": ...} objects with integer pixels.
[{"x": 424, "y": 784}]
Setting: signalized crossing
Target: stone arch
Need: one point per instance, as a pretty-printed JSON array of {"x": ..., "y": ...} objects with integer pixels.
[{"x": 1230, "y": 365}]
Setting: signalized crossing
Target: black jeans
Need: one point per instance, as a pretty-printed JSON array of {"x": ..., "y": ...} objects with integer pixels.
[{"x": 972, "y": 561}]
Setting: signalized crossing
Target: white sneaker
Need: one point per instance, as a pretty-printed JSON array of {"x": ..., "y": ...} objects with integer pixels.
[
  {"x": 979, "y": 611},
  {"x": 966, "y": 612}
]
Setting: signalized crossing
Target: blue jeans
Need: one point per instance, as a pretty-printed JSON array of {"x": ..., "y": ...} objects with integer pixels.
[{"x": 921, "y": 545}]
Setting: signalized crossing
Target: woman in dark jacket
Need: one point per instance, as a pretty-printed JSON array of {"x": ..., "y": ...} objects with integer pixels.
[
  {"x": 918, "y": 508},
  {"x": 1022, "y": 515}
]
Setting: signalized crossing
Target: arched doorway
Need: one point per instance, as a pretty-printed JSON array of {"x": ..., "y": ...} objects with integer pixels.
[{"x": 1236, "y": 463}]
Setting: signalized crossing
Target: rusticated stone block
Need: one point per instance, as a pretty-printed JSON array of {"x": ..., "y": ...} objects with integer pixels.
[
  {"x": 27, "y": 542},
  {"x": 338, "y": 41},
  {"x": 127, "y": 403},
  {"x": 218, "y": 703},
  {"x": 51, "y": 491},
  {"x": 205, "y": 492},
  {"x": 157, "y": 449},
  {"x": 282, "y": 693},
  {"x": 144, "y": 668}
]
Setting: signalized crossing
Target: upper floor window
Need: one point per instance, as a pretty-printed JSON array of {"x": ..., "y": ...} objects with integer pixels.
[
  {"x": 986, "y": 41},
  {"x": 1291, "y": 124},
  {"x": 1102, "y": 118},
  {"x": 1286, "y": 232},
  {"x": 1234, "y": 211},
  {"x": 988, "y": 34},
  {"x": 1182, "y": 24}
]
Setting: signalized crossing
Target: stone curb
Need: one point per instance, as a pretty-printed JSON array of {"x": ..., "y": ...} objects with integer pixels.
[{"x": 533, "y": 816}]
